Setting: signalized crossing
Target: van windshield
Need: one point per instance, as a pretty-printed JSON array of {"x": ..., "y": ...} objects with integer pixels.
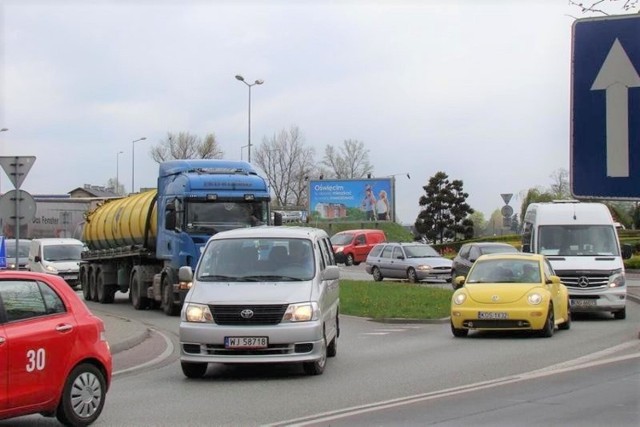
[
  {"x": 62, "y": 252},
  {"x": 257, "y": 260},
  {"x": 578, "y": 240},
  {"x": 341, "y": 239}
]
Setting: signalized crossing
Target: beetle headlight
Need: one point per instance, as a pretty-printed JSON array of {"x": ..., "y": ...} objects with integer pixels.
[
  {"x": 197, "y": 313},
  {"x": 459, "y": 298},
  {"x": 534, "y": 298},
  {"x": 301, "y": 312}
]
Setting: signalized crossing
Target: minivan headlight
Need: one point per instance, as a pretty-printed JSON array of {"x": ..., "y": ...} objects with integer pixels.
[
  {"x": 51, "y": 269},
  {"x": 617, "y": 279},
  {"x": 197, "y": 313},
  {"x": 301, "y": 312}
]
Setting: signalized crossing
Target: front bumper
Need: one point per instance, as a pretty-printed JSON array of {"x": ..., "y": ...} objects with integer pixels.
[
  {"x": 588, "y": 301},
  {"x": 525, "y": 318},
  {"x": 290, "y": 342}
]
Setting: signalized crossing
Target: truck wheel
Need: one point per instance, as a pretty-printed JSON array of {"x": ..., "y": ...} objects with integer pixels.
[
  {"x": 84, "y": 283},
  {"x": 92, "y": 285},
  {"x": 138, "y": 299},
  {"x": 168, "y": 306}
]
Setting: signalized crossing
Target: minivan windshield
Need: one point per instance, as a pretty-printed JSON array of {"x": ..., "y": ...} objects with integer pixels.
[
  {"x": 577, "y": 240},
  {"x": 341, "y": 239},
  {"x": 62, "y": 252},
  {"x": 257, "y": 260}
]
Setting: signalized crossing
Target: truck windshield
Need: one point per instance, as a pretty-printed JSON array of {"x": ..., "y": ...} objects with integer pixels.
[
  {"x": 257, "y": 260},
  {"x": 577, "y": 240},
  {"x": 62, "y": 252},
  {"x": 216, "y": 216}
]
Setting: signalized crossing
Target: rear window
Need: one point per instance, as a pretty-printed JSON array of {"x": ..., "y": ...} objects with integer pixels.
[{"x": 498, "y": 249}]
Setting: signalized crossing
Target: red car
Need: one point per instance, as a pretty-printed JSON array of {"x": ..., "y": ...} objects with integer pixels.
[{"x": 54, "y": 356}]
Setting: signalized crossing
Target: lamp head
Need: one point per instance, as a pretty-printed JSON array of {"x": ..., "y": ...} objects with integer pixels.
[
  {"x": 259, "y": 82},
  {"x": 239, "y": 77}
]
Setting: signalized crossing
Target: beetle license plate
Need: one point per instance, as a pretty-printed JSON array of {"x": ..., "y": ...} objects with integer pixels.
[
  {"x": 246, "y": 342},
  {"x": 492, "y": 315}
]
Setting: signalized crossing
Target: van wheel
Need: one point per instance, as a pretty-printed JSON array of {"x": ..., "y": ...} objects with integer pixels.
[
  {"x": 620, "y": 314},
  {"x": 83, "y": 396},
  {"x": 349, "y": 260},
  {"x": 317, "y": 366},
  {"x": 412, "y": 276},
  {"x": 193, "y": 370},
  {"x": 377, "y": 276}
]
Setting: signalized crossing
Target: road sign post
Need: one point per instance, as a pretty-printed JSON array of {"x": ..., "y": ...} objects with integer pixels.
[{"x": 605, "y": 108}]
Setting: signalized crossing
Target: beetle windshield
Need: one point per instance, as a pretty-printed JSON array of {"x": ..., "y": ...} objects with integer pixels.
[{"x": 504, "y": 271}]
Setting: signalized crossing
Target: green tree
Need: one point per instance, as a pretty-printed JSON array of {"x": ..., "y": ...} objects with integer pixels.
[
  {"x": 186, "y": 146},
  {"x": 479, "y": 223},
  {"x": 444, "y": 211},
  {"x": 534, "y": 195}
]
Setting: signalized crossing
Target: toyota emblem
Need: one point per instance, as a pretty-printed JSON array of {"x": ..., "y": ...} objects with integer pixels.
[
  {"x": 583, "y": 281},
  {"x": 246, "y": 313}
]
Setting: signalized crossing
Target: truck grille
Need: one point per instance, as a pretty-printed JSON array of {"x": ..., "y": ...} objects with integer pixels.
[
  {"x": 584, "y": 279},
  {"x": 239, "y": 314}
]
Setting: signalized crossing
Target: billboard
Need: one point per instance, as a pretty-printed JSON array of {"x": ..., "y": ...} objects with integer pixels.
[{"x": 352, "y": 199}]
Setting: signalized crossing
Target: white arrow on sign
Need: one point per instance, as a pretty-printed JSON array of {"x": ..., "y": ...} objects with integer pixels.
[{"x": 616, "y": 76}]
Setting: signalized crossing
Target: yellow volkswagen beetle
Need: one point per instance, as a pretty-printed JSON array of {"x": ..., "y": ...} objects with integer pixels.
[{"x": 516, "y": 291}]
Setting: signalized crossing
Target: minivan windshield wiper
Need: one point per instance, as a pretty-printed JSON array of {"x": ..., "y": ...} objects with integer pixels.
[
  {"x": 217, "y": 277},
  {"x": 269, "y": 278}
]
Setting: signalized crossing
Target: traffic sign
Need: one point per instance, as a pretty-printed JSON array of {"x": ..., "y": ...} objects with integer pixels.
[
  {"x": 506, "y": 211},
  {"x": 506, "y": 197},
  {"x": 17, "y": 167},
  {"x": 17, "y": 206},
  {"x": 605, "y": 108}
]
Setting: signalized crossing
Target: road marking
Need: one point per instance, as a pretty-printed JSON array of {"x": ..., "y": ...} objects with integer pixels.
[
  {"x": 165, "y": 354},
  {"x": 393, "y": 403}
]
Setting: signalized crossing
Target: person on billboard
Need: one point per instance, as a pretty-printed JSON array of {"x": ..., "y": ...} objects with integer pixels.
[
  {"x": 382, "y": 206},
  {"x": 369, "y": 204}
]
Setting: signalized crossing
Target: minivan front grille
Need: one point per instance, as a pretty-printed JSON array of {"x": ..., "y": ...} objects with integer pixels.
[{"x": 248, "y": 314}]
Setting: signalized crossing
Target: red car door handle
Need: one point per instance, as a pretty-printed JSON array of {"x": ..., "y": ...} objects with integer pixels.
[{"x": 63, "y": 328}]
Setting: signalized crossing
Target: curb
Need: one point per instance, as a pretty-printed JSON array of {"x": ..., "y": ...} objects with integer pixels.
[{"x": 138, "y": 337}]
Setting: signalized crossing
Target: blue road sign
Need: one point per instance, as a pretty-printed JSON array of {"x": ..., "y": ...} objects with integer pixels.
[{"x": 605, "y": 108}]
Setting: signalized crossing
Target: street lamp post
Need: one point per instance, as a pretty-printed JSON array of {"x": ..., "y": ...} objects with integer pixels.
[
  {"x": 242, "y": 148},
  {"x": 257, "y": 82},
  {"x": 133, "y": 162},
  {"x": 4, "y": 130},
  {"x": 118, "y": 172}
]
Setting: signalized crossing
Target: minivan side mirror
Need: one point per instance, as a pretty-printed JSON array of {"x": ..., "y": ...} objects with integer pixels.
[
  {"x": 185, "y": 274},
  {"x": 37, "y": 258},
  {"x": 627, "y": 251},
  {"x": 526, "y": 247},
  {"x": 332, "y": 272}
]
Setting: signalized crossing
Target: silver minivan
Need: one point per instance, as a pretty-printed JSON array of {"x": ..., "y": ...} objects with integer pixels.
[{"x": 261, "y": 295}]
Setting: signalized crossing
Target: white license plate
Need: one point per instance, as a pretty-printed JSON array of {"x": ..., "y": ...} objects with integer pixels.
[
  {"x": 72, "y": 277},
  {"x": 583, "y": 303},
  {"x": 492, "y": 315},
  {"x": 246, "y": 342}
]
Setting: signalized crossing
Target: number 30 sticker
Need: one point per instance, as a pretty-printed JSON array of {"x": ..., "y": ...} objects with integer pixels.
[{"x": 35, "y": 360}]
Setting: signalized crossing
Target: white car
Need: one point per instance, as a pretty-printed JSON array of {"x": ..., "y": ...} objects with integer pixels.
[{"x": 261, "y": 295}]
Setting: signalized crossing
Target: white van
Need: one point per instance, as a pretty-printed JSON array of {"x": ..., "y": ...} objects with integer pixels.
[
  {"x": 261, "y": 295},
  {"x": 56, "y": 256},
  {"x": 581, "y": 243}
]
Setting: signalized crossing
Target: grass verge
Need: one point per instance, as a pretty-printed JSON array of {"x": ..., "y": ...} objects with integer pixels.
[{"x": 385, "y": 300}]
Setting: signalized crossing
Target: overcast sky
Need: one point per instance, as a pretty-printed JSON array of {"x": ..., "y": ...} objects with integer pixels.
[{"x": 478, "y": 89}]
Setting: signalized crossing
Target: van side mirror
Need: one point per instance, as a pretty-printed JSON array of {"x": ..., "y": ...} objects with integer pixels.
[
  {"x": 627, "y": 251},
  {"x": 526, "y": 247},
  {"x": 185, "y": 274},
  {"x": 37, "y": 258}
]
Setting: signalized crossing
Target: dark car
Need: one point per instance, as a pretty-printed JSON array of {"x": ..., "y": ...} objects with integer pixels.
[
  {"x": 412, "y": 261},
  {"x": 470, "y": 252}
]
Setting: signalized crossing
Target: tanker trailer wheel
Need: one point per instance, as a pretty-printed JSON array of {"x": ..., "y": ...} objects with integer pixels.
[
  {"x": 168, "y": 306},
  {"x": 138, "y": 296},
  {"x": 105, "y": 293},
  {"x": 84, "y": 283},
  {"x": 93, "y": 291}
]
